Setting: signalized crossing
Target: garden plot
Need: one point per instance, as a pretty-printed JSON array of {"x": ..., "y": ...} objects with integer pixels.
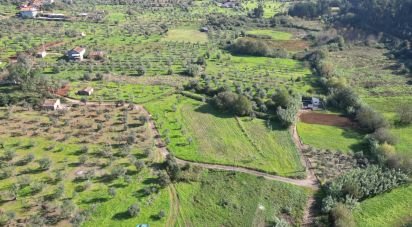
[{"x": 222, "y": 139}]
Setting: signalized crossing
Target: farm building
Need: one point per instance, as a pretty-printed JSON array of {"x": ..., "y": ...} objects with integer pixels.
[
  {"x": 76, "y": 53},
  {"x": 28, "y": 12},
  {"x": 41, "y": 54},
  {"x": 204, "y": 29},
  {"x": 86, "y": 91},
  {"x": 311, "y": 103},
  {"x": 96, "y": 55},
  {"x": 51, "y": 104}
]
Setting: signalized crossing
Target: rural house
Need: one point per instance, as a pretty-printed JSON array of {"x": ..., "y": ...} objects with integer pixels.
[
  {"x": 76, "y": 53},
  {"x": 28, "y": 12},
  {"x": 51, "y": 104},
  {"x": 41, "y": 54},
  {"x": 311, "y": 103},
  {"x": 86, "y": 91},
  {"x": 204, "y": 29}
]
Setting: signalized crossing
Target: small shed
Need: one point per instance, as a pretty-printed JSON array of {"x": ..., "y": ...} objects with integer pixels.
[
  {"x": 86, "y": 91},
  {"x": 204, "y": 29},
  {"x": 51, "y": 104},
  {"x": 41, "y": 54},
  {"x": 28, "y": 12},
  {"x": 76, "y": 53},
  {"x": 312, "y": 103}
]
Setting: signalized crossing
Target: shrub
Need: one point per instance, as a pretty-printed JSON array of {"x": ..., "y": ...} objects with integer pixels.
[
  {"x": 161, "y": 214},
  {"x": 133, "y": 210},
  {"x": 139, "y": 165},
  {"x": 247, "y": 46},
  {"x": 342, "y": 217},
  {"x": 164, "y": 179},
  {"x": 192, "y": 70},
  {"x": 231, "y": 102},
  {"x": 404, "y": 114},
  {"x": 369, "y": 119},
  {"x": 383, "y": 135},
  {"x": 360, "y": 184},
  {"x": 343, "y": 99},
  {"x": 44, "y": 163}
]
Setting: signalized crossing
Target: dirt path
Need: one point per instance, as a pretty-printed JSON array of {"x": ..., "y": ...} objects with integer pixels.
[{"x": 309, "y": 213}]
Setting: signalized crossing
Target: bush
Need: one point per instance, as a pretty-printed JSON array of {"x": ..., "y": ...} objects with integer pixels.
[
  {"x": 133, "y": 210},
  {"x": 342, "y": 217},
  {"x": 370, "y": 120},
  {"x": 231, "y": 102},
  {"x": 384, "y": 136},
  {"x": 254, "y": 47},
  {"x": 344, "y": 99},
  {"x": 404, "y": 115},
  {"x": 192, "y": 70},
  {"x": 360, "y": 184}
]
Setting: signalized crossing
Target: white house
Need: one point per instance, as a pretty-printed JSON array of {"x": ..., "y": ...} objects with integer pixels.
[
  {"x": 51, "y": 104},
  {"x": 28, "y": 12},
  {"x": 76, "y": 53},
  {"x": 41, "y": 54}
]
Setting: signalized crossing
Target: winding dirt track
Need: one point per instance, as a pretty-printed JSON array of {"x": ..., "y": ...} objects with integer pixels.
[{"x": 310, "y": 181}]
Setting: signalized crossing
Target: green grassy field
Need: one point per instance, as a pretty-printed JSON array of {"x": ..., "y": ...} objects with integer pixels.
[
  {"x": 267, "y": 73},
  {"x": 218, "y": 138},
  {"x": 270, "y": 8},
  {"x": 111, "y": 91},
  {"x": 370, "y": 72},
  {"x": 275, "y": 35},
  {"x": 329, "y": 137},
  {"x": 229, "y": 199},
  {"x": 390, "y": 209},
  {"x": 388, "y": 106},
  {"x": 186, "y": 35}
]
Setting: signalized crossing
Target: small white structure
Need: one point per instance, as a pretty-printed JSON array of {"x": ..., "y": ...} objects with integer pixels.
[
  {"x": 311, "y": 103},
  {"x": 86, "y": 91},
  {"x": 76, "y": 53},
  {"x": 28, "y": 12},
  {"x": 41, "y": 54},
  {"x": 51, "y": 104}
]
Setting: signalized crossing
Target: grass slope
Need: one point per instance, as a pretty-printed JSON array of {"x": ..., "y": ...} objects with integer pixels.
[
  {"x": 186, "y": 35},
  {"x": 218, "y": 138},
  {"x": 329, "y": 137},
  {"x": 229, "y": 199},
  {"x": 275, "y": 35},
  {"x": 389, "y": 209}
]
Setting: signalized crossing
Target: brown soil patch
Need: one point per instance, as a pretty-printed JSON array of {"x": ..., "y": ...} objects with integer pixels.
[
  {"x": 327, "y": 119},
  {"x": 63, "y": 91}
]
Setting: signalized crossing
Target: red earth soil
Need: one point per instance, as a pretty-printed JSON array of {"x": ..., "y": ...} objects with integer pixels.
[
  {"x": 327, "y": 119},
  {"x": 63, "y": 91}
]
